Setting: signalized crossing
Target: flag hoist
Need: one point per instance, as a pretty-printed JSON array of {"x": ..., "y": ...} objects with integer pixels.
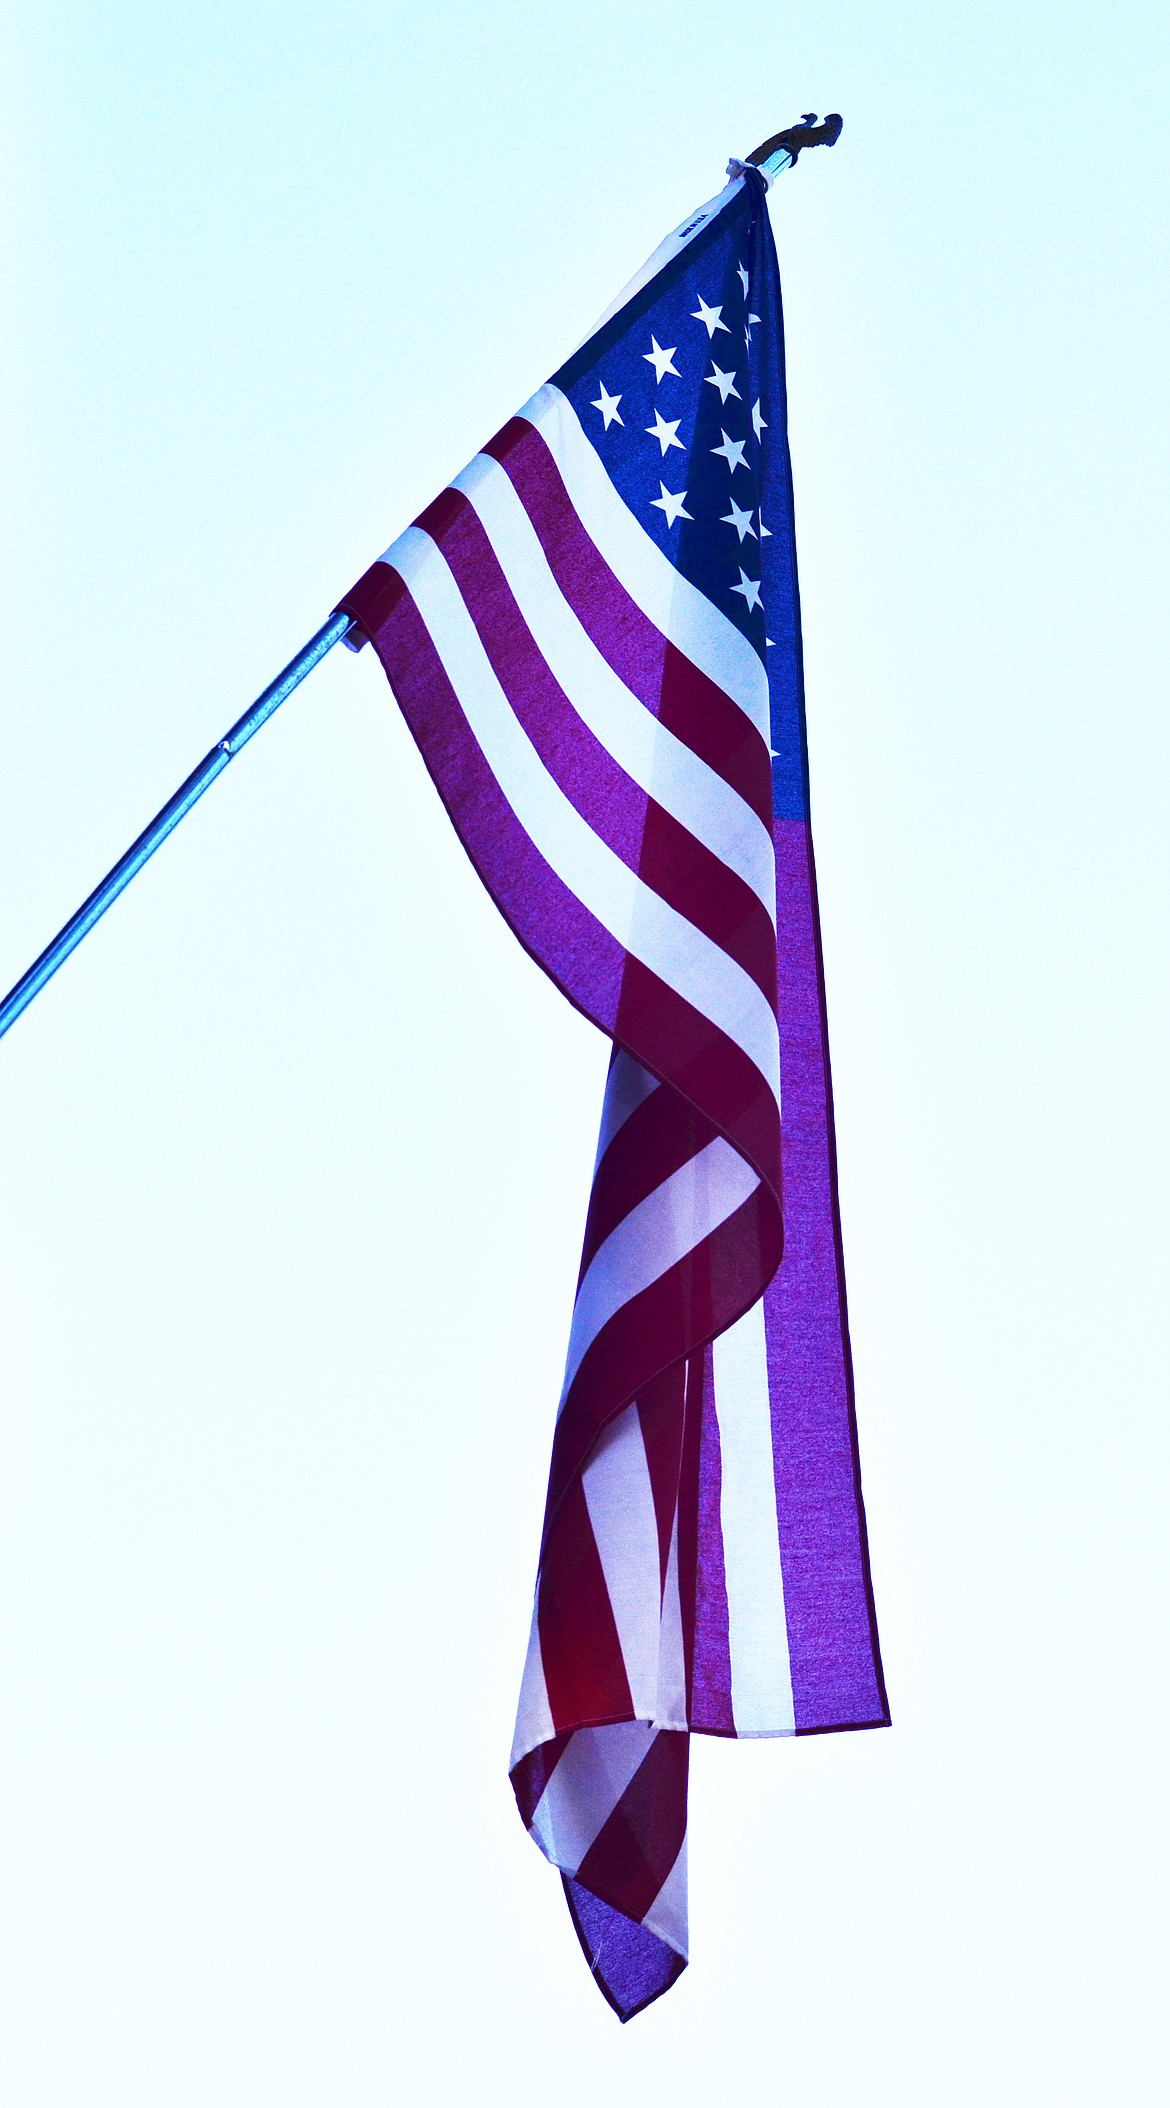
[{"x": 594, "y": 636}]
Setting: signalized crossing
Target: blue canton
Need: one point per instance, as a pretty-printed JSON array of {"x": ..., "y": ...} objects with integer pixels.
[{"x": 682, "y": 394}]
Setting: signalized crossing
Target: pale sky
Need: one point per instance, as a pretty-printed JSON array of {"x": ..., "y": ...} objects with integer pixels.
[{"x": 296, "y": 1149}]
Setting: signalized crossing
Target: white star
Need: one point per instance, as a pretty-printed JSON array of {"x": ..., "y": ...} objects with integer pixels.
[
  {"x": 671, "y": 503},
  {"x": 709, "y": 317},
  {"x": 760, "y": 423},
  {"x": 732, "y": 451},
  {"x": 662, "y": 361},
  {"x": 764, "y": 531},
  {"x": 743, "y": 279},
  {"x": 747, "y": 335},
  {"x": 725, "y": 382},
  {"x": 608, "y": 406},
  {"x": 663, "y": 431},
  {"x": 749, "y": 587},
  {"x": 740, "y": 520}
]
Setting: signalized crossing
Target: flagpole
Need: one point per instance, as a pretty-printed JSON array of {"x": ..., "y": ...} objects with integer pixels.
[
  {"x": 777, "y": 153},
  {"x": 164, "y": 823}
]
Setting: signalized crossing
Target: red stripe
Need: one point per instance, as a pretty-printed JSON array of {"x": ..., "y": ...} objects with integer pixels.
[
  {"x": 709, "y": 1705},
  {"x": 633, "y": 1853},
  {"x": 373, "y": 600},
  {"x": 532, "y": 1774},
  {"x": 661, "y": 1135},
  {"x": 691, "y": 705},
  {"x": 675, "y": 1040},
  {"x": 688, "y": 1510},
  {"x": 712, "y": 896},
  {"x": 680, "y": 868},
  {"x": 584, "y": 1671},
  {"x": 661, "y": 1414},
  {"x": 700, "y": 1296}
]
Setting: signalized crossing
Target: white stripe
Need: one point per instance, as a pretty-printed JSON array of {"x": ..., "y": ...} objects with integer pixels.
[
  {"x": 669, "y": 600},
  {"x": 585, "y": 1788},
  {"x": 671, "y": 1707},
  {"x": 627, "y": 1086},
  {"x": 667, "y": 250},
  {"x": 667, "y": 1915},
  {"x": 661, "y": 764},
  {"x": 661, "y": 1230},
  {"x": 620, "y": 1500},
  {"x": 534, "y": 1720},
  {"x": 640, "y": 920},
  {"x": 761, "y": 1680}
]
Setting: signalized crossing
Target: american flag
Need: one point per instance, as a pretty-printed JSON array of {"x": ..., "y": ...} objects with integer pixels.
[{"x": 594, "y": 635}]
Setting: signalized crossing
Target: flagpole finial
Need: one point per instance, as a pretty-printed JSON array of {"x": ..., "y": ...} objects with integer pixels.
[
  {"x": 807, "y": 133},
  {"x": 781, "y": 150}
]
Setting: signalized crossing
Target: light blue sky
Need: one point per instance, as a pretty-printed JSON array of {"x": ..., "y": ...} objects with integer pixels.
[{"x": 295, "y": 1151}]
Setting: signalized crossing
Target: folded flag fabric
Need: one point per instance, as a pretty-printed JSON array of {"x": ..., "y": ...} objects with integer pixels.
[{"x": 594, "y": 636}]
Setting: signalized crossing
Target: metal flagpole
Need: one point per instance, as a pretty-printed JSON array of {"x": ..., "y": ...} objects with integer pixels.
[
  {"x": 127, "y": 867},
  {"x": 777, "y": 153}
]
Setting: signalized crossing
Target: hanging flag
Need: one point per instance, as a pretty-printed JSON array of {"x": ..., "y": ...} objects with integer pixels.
[{"x": 594, "y": 636}]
